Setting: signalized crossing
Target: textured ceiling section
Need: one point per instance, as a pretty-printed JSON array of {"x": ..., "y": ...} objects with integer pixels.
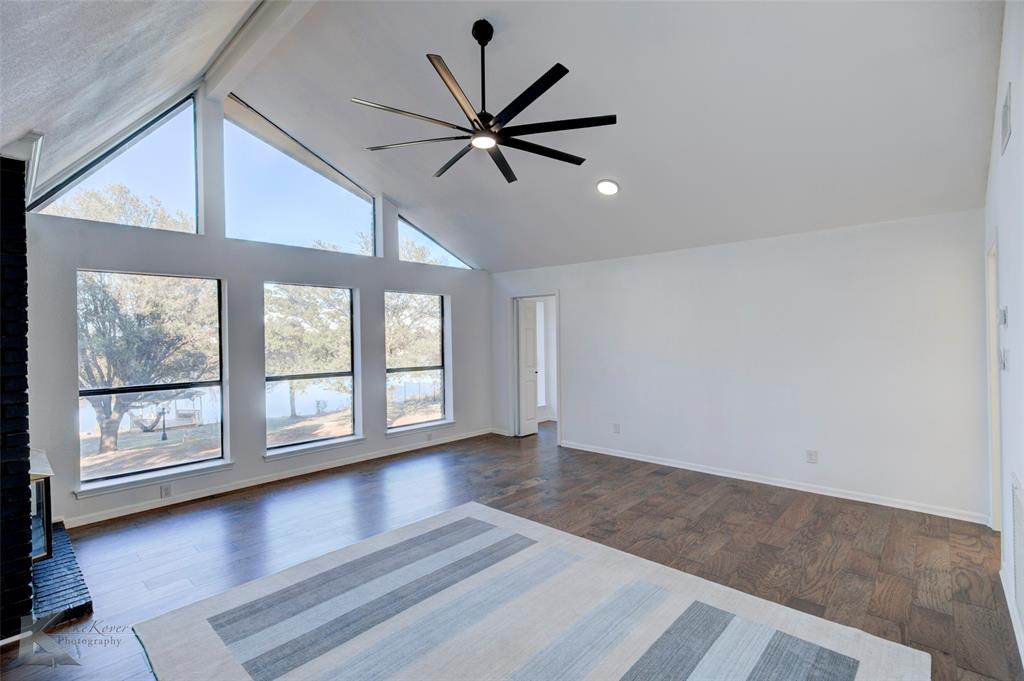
[
  {"x": 79, "y": 72},
  {"x": 736, "y": 120}
]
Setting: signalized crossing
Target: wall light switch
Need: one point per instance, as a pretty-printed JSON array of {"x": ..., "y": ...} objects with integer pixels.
[
  {"x": 812, "y": 456},
  {"x": 615, "y": 429}
]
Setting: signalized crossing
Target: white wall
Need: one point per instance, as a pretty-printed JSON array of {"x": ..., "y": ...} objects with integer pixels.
[
  {"x": 865, "y": 343},
  {"x": 1004, "y": 220},
  {"x": 59, "y": 246}
]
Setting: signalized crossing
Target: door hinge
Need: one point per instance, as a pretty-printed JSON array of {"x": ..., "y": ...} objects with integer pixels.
[
  {"x": 1004, "y": 317},
  {"x": 1004, "y": 359}
]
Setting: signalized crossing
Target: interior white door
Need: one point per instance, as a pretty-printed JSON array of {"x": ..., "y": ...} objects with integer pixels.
[{"x": 526, "y": 312}]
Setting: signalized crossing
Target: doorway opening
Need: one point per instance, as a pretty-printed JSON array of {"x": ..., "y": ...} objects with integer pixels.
[{"x": 536, "y": 363}]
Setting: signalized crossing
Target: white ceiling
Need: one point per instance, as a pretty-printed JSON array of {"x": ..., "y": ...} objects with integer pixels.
[
  {"x": 736, "y": 120},
  {"x": 80, "y": 72}
]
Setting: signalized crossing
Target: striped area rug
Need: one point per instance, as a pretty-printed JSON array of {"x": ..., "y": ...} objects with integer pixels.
[{"x": 476, "y": 594}]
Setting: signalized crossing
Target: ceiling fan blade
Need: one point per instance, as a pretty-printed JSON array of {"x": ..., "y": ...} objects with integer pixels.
[
  {"x": 462, "y": 152},
  {"x": 456, "y": 90},
  {"x": 503, "y": 166},
  {"x": 415, "y": 142},
  {"x": 527, "y": 97},
  {"x": 428, "y": 119},
  {"x": 523, "y": 145},
  {"x": 554, "y": 126}
]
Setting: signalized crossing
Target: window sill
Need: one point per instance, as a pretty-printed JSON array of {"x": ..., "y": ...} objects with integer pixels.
[
  {"x": 92, "y": 489},
  {"x": 418, "y": 427},
  {"x": 312, "y": 447}
]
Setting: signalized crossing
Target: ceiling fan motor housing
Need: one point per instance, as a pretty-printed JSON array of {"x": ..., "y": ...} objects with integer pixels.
[{"x": 483, "y": 31}]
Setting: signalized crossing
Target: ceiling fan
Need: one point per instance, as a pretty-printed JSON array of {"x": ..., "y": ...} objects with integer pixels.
[{"x": 489, "y": 132}]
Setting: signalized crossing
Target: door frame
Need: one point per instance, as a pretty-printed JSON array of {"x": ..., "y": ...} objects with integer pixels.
[
  {"x": 994, "y": 372},
  {"x": 513, "y": 364}
]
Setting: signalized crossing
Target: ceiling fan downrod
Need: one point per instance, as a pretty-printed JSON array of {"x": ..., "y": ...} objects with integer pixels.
[{"x": 482, "y": 33}]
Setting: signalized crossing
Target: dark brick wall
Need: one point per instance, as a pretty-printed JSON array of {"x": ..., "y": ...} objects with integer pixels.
[{"x": 15, "y": 525}]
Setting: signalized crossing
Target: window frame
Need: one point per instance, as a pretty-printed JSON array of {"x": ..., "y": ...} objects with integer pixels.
[
  {"x": 115, "y": 150},
  {"x": 254, "y": 120},
  {"x": 325, "y": 374},
  {"x": 443, "y": 367},
  {"x": 401, "y": 219},
  {"x": 184, "y": 385}
]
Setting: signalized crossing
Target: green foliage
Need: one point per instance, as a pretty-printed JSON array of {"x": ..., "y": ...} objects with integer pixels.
[
  {"x": 143, "y": 330},
  {"x": 412, "y": 323},
  {"x": 118, "y": 204},
  {"x": 307, "y": 329},
  {"x": 410, "y": 251}
]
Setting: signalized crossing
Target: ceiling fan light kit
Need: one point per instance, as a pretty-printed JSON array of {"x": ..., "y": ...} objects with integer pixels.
[{"x": 489, "y": 132}]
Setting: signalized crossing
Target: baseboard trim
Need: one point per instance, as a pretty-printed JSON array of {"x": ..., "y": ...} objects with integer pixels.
[
  {"x": 1011, "y": 605},
  {"x": 89, "y": 518},
  {"x": 958, "y": 514}
]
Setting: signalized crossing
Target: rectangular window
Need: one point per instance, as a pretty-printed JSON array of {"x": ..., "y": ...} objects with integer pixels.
[
  {"x": 415, "y": 246},
  {"x": 414, "y": 334},
  {"x": 149, "y": 372},
  {"x": 308, "y": 336},
  {"x": 149, "y": 180},
  {"x": 278, "y": 191}
]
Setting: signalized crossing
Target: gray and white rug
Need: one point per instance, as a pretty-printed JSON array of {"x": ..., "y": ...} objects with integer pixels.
[{"x": 476, "y": 594}]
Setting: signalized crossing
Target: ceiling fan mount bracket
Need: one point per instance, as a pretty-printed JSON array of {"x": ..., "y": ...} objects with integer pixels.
[{"x": 483, "y": 32}]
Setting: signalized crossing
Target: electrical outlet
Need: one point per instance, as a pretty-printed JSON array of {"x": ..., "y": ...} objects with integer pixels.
[
  {"x": 165, "y": 491},
  {"x": 616, "y": 429},
  {"x": 430, "y": 437},
  {"x": 812, "y": 455}
]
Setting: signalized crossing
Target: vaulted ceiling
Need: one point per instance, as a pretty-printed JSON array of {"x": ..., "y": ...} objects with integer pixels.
[
  {"x": 80, "y": 72},
  {"x": 736, "y": 120}
]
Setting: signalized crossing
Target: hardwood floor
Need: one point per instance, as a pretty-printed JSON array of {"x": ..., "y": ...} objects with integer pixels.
[{"x": 926, "y": 581}]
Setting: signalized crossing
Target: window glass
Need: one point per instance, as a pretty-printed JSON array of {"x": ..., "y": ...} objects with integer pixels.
[
  {"x": 148, "y": 372},
  {"x": 149, "y": 181},
  {"x": 277, "y": 191},
  {"x": 309, "y": 378},
  {"x": 414, "y": 324},
  {"x": 415, "y": 246}
]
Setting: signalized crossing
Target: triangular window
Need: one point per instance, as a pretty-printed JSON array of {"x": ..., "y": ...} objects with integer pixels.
[
  {"x": 148, "y": 180},
  {"x": 415, "y": 246},
  {"x": 278, "y": 191}
]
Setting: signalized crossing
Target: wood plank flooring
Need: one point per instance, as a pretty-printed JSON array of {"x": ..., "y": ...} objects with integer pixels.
[{"x": 925, "y": 581}]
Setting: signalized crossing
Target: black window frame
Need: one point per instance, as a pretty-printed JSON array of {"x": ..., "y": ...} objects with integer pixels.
[
  {"x": 442, "y": 366},
  {"x": 323, "y": 374},
  {"x": 68, "y": 183},
  {"x": 366, "y": 193},
  {"x": 161, "y": 387}
]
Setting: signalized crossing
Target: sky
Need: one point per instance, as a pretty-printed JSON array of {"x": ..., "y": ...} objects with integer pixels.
[
  {"x": 269, "y": 196},
  {"x": 160, "y": 163}
]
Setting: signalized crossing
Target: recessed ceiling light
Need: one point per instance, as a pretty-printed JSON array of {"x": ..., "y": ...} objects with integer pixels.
[
  {"x": 483, "y": 141},
  {"x": 608, "y": 187}
]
